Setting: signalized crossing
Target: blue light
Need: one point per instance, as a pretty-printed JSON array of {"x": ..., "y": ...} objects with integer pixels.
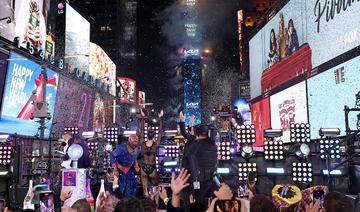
[
  {"x": 223, "y": 170},
  {"x": 333, "y": 172}
]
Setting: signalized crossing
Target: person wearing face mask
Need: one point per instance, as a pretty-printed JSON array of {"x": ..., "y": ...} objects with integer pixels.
[{"x": 124, "y": 160}]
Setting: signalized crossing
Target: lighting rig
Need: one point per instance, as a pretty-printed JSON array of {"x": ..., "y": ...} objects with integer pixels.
[
  {"x": 245, "y": 168},
  {"x": 302, "y": 172}
]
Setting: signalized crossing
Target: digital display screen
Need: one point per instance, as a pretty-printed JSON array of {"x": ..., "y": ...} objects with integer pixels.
[
  {"x": 126, "y": 90},
  {"x": 23, "y": 78},
  {"x": 287, "y": 107},
  {"x": 243, "y": 110},
  {"x": 298, "y": 24},
  {"x": 74, "y": 107},
  {"x": 102, "y": 67},
  {"x": 260, "y": 115},
  {"x": 329, "y": 92},
  {"x": 192, "y": 90}
]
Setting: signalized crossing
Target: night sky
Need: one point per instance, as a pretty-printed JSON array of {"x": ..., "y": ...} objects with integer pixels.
[{"x": 218, "y": 20}]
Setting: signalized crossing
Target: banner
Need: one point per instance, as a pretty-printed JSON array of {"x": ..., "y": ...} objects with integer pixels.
[
  {"x": 287, "y": 107},
  {"x": 23, "y": 78},
  {"x": 126, "y": 90},
  {"x": 102, "y": 67},
  {"x": 329, "y": 92},
  {"x": 299, "y": 37}
]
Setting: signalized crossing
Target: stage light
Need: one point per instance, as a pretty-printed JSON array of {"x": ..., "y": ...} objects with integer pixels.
[
  {"x": 92, "y": 145},
  {"x": 4, "y": 137},
  {"x": 303, "y": 151},
  {"x": 212, "y": 118},
  {"x": 247, "y": 151},
  {"x": 157, "y": 163},
  {"x": 172, "y": 151},
  {"x": 300, "y": 132},
  {"x": 272, "y": 170},
  {"x": 127, "y": 133},
  {"x": 274, "y": 150},
  {"x": 273, "y": 133},
  {"x": 245, "y": 134},
  {"x": 72, "y": 130},
  {"x": 302, "y": 172},
  {"x": 6, "y": 151},
  {"x": 89, "y": 134},
  {"x": 329, "y": 132},
  {"x": 170, "y": 163},
  {"x": 224, "y": 150},
  {"x": 332, "y": 172},
  {"x": 245, "y": 168},
  {"x": 214, "y": 109},
  {"x": 330, "y": 147},
  {"x": 111, "y": 134},
  {"x": 154, "y": 120},
  {"x": 223, "y": 170},
  {"x": 133, "y": 110}
]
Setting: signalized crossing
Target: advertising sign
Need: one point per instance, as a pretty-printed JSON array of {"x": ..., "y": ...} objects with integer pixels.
[
  {"x": 287, "y": 107},
  {"x": 126, "y": 90},
  {"x": 260, "y": 115},
  {"x": 141, "y": 100},
  {"x": 3, "y": 67},
  {"x": 23, "y": 78},
  {"x": 329, "y": 92},
  {"x": 192, "y": 91},
  {"x": 74, "y": 106},
  {"x": 77, "y": 40},
  {"x": 27, "y": 20},
  {"x": 301, "y": 36},
  {"x": 102, "y": 67}
]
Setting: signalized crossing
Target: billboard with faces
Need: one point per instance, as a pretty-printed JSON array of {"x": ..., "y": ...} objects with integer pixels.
[
  {"x": 126, "y": 89},
  {"x": 287, "y": 107},
  {"x": 28, "y": 20},
  {"x": 329, "y": 92},
  {"x": 328, "y": 28}
]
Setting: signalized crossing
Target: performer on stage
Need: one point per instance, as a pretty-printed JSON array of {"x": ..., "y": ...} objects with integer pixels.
[
  {"x": 149, "y": 151},
  {"x": 123, "y": 158}
]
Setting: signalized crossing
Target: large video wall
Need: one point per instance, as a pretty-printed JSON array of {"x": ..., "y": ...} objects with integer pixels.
[
  {"x": 329, "y": 92},
  {"x": 320, "y": 29}
]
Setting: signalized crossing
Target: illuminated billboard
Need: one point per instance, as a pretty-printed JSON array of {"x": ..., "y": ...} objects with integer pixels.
[
  {"x": 77, "y": 40},
  {"x": 126, "y": 90},
  {"x": 27, "y": 20},
  {"x": 287, "y": 107},
  {"x": 329, "y": 92},
  {"x": 103, "y": 112},
  {"x": 141, "y": 100},
  {"x": 243, "y": 110},
  {"x": 260, "y": 115},
  {"x": 74, "y": 106},
  {"x": 23, "y": 78},
  {"x": 102, "y": 67},
  {"x": 192, "y": 90},
  {"x": 299, "y": 37},
  {"x": 3, "y": 67}
]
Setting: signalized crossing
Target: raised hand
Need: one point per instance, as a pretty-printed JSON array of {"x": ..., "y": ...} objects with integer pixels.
[
  {"x": 65, "y": 193},
  {"x": 182, "y": 116},
  {"x": 192, "y": 119},
  {"x": 163, "y": 193},
  {"x": 224, "y": 192},
  {"x": 180, "y": 182},
  {"x": 161, "y": 114}
]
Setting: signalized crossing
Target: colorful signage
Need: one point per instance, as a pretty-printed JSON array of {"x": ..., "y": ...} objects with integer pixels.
[
  {"x": 260, "y": 116},
  {"x": 23, "y": 78},
  {"x": 126, "y": 90}
]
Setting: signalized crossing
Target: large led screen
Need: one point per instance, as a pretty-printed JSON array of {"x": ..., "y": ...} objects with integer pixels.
[
  {"x": 192, "y": 90},
  {"x": 329, "y": 92},
  {"x": 77, "y": 40},
  {"x": 102, "y": 67},
  {"x": 74, "y": 107},
  {"x": 302, "y": 35},
  {"x": 260, "y": 115},
  {"x": 243, "y": 110},
  {"x": 3, "y": 67},
  {"x": 287, "y": 107},
  {"x": 27, "y": 20},
  {"x": 126, "y": 90},
  {"x": 23, "y": 78},
  {"x": 103, "y": 111}
]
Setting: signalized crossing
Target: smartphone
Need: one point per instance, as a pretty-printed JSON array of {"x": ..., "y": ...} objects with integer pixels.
[
  {"x": 217, "y": 180},
  {"x": 227, "y": 205},
  {"x": 243, "y": 189},
  {"x": 318, "y": 195},
  {"x": 47, "y": 201}
]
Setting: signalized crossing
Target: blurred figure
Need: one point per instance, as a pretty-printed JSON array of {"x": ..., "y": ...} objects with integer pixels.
[
  {"x": 261, "y": 203},
  {"x": 81, "y": 205},
  {"x": 84, "y": 161}
]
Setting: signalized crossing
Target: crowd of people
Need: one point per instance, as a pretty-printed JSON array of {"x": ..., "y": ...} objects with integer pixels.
[{"x": 193, "y": 189}]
